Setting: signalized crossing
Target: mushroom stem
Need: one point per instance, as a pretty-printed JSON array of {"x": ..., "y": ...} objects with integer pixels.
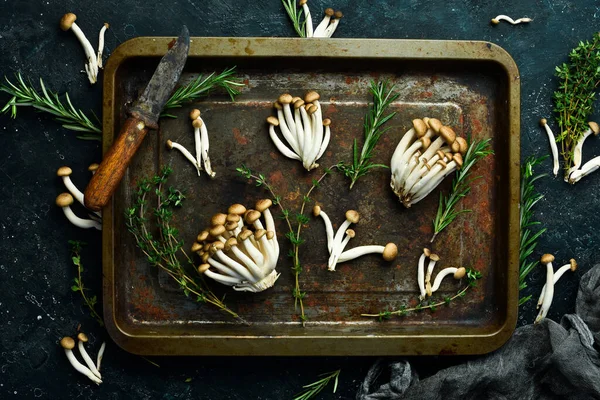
[
  {"x": 82, "y": 338},
  {"x": 317, "y": 212},
  {"x": 64, "y": 200},
  {"x": 508, "y": 19},
  {"x": 334, "y": 256},
  {"x": 421, "y": 273},
  {"x": 457, "y": 272},
  {"x": 549, "y": 293},
  {"x": 205, "y": 145},
  {"x": 68, "y": 22},
  {"x": 553, "y": 147},
  {"x": 68, "y": 344},
  {"x": 283, "y": 149},
  {"x": 307, "y": 18},
  {"x": 560, "y": 272},
  {"x": 333, "y": 25},
  {"x": 585, "y": 170},
  {"x": 433, "y": 258},
  {"x": 388, "y": 251},
  {"x": 320, "y": 29},
  {"x": 100, "y": 355},
  {"x": 185, "y": 152},
  {"x": 101, "y": 44}
]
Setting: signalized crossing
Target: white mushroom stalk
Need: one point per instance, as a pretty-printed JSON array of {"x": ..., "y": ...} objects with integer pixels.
[
  {"x": 327, "y": 26},
  {"x": 457, "y": 273},
  {"x": 511, "y": 21},
  {"x": 433, "y": 258},
  {"x": 578, "y": 151},
  {"x": 64, "y": 173},
  {"x": 91, "y": 68},
  {"x": 388, "y": 252},
  {"x": 317, "y": 212},
  {"x": 185, "y": 152},
  {"x": 340, "y": 241},
  {"x": 553, "y": 146},
  {"x": 307, "y": 18},
  {"x": 68, "y": 344},
  {"x": 585, "y": 170},
  {"x": 571, "y": 266},
  {"x": 100, "y": 355},
  {"x": 421, "y": 273},
  {"x": 549, "y": 292},
  {"x": 101, "y": 44},
  {"x": 426, "y": 154},
  {"x": 237, "y": 251},
  {"x": 64, "y": 201},
  {"x": 202, "y": 143},
  {"x": 305, "y": 133},
  {"x": 81, "y": 339}
]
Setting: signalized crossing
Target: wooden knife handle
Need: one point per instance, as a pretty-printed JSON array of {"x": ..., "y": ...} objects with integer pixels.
[{"x": 112, "y": 168}]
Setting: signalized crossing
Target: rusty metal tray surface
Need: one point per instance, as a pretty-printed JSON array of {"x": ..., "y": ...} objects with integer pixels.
[{"x": 471, "y": 86}]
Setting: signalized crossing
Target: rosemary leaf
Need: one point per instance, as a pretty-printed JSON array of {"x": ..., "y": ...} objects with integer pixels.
[
  {"x": 461, "y": 186},
  {"x": 295, "y": 15},
  {"x": 312, "y": 389},
  {"x": 383, "y": 96},
  {"x": 24, "y": 94}
]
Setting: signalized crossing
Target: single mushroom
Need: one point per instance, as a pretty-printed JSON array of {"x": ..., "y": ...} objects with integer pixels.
[
  {"x": 196, "y": 124},
  {"x": 307, "y": 18},
  {"x": 185, "y": 152},
  {"x": 549, "y": 293},
  {"x": 571, "y": 266},
  {"x": 64, "y": 201},
  {"x": 421, "y": 273},
  {"x": 101, "y": 44},
  {"x": 100, "y": 355},
  {"x": 68, "y": 22},
  {"x": 496, "y": 21},
  {"x": 318, "y": 212},
  {"x": 458, "y": 273},
  {"x": 553, "y": 147},
  {"x": 93, "y": 168},
  {"x": 68, "y": 344},
  {"x": 205, "y": 146},
  {"x": 82, "y": 338},
  {"x": 388, "y": 252}
]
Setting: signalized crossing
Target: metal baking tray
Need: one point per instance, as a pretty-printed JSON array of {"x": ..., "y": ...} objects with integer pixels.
[{"x": 472, "y": 86}]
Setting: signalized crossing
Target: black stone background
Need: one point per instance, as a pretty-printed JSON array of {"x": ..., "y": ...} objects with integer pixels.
[{"x": 37, "y": 306}]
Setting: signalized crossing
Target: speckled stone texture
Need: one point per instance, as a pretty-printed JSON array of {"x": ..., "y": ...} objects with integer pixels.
[{"x": 37, "y": 306}]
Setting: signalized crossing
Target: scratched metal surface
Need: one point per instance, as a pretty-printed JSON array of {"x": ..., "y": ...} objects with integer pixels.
[{"x": 469, "y": 97}]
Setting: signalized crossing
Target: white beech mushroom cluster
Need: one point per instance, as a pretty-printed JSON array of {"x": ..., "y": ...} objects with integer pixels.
[
  {"x": 426, "y": 154},
  {"x": 65, "y": 200},
  {"x": 238, "y": 250},
  {"x": 326, "y": 27},
  {"x": 201, "y": 161},
  {"x": 545, "y": 300},
  {"x": 94, "y": 58},
  {"x": 302, "y": 126},
  {"x": 336, "y": 244},
  {"x": 91, "y": 370},
  {"x": 426, "y": 288}
]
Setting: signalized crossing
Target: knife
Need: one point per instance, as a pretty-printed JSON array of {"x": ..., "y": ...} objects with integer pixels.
[{"x": 143, "y": 115}]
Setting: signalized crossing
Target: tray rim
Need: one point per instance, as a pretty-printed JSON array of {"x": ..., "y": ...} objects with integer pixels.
[{"x": 306, "y": 344}]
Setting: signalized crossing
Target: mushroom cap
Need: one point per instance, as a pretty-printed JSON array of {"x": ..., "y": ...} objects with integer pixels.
[
  {"x": 67, "y": 21},
  {"x": 594, "y": 127},
  {"x": 202, "y": 236},
  {"x": 302, "y": 2},
  {"x": 67, "y": 343},
  {"x": 217, "y": 230},
  {"x": 390, "y": 251},
  {"x": 463, "y": 145},
  {"x": 205, "y": 257},
  {"x": 455, "y": 147},
  {"x": 231, "y": 225},
  {"x": 169, "y": 144},
  {"x": 352, "y": 216},
  {"x": 218, "y": 219},
  {"x": 233, "y": 218},
  {"x": 350, "y": 232},
  {"x": 251, "y": 216},
  {"x": 194, "y": 114},
  {"x": 543, "y": 121},
  {"x": 93, "y": 167},
  {"x": 426, "y": 251},
  {"x": 573, "y": 264},
  {"x": 298, "y": 103},
  {"x": 285, "y": 98},
  {"x": 263, "y": 204},
  {"x": 440, "y": 154},
  {"x": 197, "y": 123},
  {"x": 64, "y": 171},
  {"x": 312, "y": 109},
  {"x": 457, "y": 158},
  {"x": 311, "y": 96},
  {"x": 236, "y": 209},
  {"x": 434, "y": 257},
  {"x": 419, "y": 126},
  {"x": 426, "y": 142},
  {"x": 460, "y": 273},
  {"x": 202, "y": 268},
  {"x": 442, "y": 163},
  {"x": 495, "y": 21},
  {"x": 218, "y": 245},
  {"x": 259, "y": 233},
  {"x": 316, "y": 211},
  {"x": 272, "y": 120},
  {"x": 230, "y": 242},
  {"x": 426, "y": 120},
  {"x": 447, "y": 134},
  {"x": 277, "y": 105},
  {"x": 326, "y": 122},
  {"x": 329, "y": 11},
  {"x": 64, "y": 200},
  {"x": 82, "y": 337},
  {"x": 338, "y": 14},
  {"x": 435, "y": 124},
  {"x": 296, "y": 98},
  {"x": 196, "y": 247},
  {"x": 245, "y": 234},
  {"x": 270, "y": 235},
  {"x": 547, "y": 258},
  {"x": 206, "y": 246}
]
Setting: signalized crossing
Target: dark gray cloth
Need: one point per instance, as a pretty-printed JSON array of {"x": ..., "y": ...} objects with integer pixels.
[{"x": 544, "y": 361}]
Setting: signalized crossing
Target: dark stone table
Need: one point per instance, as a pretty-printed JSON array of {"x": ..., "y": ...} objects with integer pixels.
[{"x": 37, "y": 306}]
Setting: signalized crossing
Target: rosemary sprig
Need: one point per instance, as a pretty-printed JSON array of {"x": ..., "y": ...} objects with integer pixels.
[
  {"x": 383, "y": 96},
  {"x": 24, "y": 94},
  {"x": 295, "y": 15},
  {"x": 78, "y": 286},
  {"x": 202, "y": 86},
  {"x": 472, "y": 277},
  {"x": 529, "y": 238},
  {"x": 461, "y": 186},
  {"x": 293, "y": 234},
  {"x": 162, "y": 249},
  {"x": 312, "y": 389},
  {"x": 574, "y": 99}
]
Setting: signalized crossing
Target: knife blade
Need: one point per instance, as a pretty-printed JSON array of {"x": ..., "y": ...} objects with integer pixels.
[{"x": 143, "y": 115}]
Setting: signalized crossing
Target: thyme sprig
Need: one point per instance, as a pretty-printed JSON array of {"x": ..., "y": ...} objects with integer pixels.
[
  {"x": 472, "y": 277},
  {"x": 294, "y": 233},
  {"x": 24, "y": 94},
  {"x": 383, "y": 96},
  {"x": 576, "y": 94},
  {"x": 461, "y": 186},
  {"x": 528, "y": 237},
  {"x": 295, "y": 15},
  {"x": 202, "y": 86},
  {"x": 78, "y": 286},
  {"x": 313, "y": 389},
  {"x": 162, "y": 249}
]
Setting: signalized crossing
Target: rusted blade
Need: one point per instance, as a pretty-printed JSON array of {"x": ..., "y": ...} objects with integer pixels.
[{"x": 150, "y": 104}]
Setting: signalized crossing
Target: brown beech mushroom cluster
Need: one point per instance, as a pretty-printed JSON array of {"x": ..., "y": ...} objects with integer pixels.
[
  {"x": 238, "y": 250},
  {"x": 302, "y": 126},
  {"x": 65, "y": 200},
  {"x": 336, "y": 244},
  {"x": 326, "y": 27},
  {"x": 426, "y": 154},
  {"x": 91, "y": 370}
]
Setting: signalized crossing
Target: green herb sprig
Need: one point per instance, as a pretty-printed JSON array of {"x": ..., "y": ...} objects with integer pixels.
[
  {"x": 24, "y": 94},
  {"x": 202, "y": 86},
  {"x": 383, "y": 96},
  {"x": 163, "y": 248},
  {"x": 293, "y": 234},
  {"x": 78, "y": 286},
  {"x": 461, "y": 186},
  {"x": 528, "y": 236},
  {"x": 313, "y": 389},
  {"x": 575, "y": 97},
  {"x": 472, "y": 277},
  {"x": 295, "y": 15}
]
